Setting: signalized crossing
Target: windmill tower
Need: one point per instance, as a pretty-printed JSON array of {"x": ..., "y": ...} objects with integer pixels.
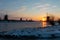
[
  {"x": 50, "y": 19},
  {"x": 47, "y": 18},
  {"x": 6, "y": 17}
]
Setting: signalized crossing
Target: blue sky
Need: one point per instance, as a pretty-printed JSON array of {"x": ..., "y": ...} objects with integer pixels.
[{"x": 29, "y": 8}]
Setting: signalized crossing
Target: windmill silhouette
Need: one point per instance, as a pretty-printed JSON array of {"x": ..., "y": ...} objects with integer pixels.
[{"x": 50, "y": 19}]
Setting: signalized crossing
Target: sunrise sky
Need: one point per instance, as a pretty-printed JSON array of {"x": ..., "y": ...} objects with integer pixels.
[{"x": 34, "y": 9}]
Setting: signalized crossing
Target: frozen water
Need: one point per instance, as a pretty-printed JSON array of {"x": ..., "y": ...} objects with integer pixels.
[
  {"x": 6, "y": 26},
  {"x": 29, "y": 28}
]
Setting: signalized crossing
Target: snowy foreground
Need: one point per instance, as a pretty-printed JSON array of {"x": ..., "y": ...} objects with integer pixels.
[{"x": 47, "y": 32}]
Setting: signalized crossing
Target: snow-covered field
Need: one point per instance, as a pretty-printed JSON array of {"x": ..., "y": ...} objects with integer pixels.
[
  {"x": 43, "y": 32},
  {"x": 29, "y": 28}
]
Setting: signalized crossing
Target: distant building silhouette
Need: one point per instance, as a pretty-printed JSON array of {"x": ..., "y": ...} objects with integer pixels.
[{"x": 6, "y": 17}]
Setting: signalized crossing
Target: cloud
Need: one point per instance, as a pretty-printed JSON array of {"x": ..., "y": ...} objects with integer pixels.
[
  {"x": 44, "y": 7},
  {"x": 47, "y": 5},
  {"x": 54, "y": 6},
  {"x": 19, "y": 12},
  {"x": 23, "y": 8}
]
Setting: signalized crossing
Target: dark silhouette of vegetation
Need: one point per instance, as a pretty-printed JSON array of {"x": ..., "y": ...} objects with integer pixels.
[
  {"x": 59, "y": 21},
  {"x": 53, "y": 36},
  {"x": 19, "y": 37},
  {"x": 0, "y": 18}
]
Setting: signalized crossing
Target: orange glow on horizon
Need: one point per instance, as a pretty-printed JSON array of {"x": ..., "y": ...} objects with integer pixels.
[{"x": 43, "y": 19}]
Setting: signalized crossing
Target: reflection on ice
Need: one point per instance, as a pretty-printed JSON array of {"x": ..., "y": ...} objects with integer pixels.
[{"x": 44, "y": 24}]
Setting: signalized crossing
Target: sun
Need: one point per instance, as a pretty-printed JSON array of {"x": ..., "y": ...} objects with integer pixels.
[{"x": 43, "y": 18}]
